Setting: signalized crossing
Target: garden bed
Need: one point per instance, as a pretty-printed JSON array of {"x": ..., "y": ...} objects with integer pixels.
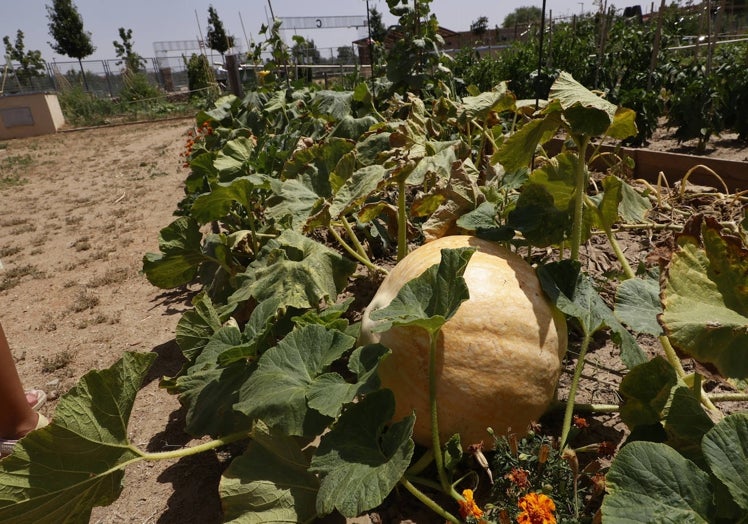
[{"x": 79, "y": 211}]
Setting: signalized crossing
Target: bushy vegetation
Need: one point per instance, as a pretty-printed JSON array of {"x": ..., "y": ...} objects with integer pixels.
[{"x": 697, "y": 100}]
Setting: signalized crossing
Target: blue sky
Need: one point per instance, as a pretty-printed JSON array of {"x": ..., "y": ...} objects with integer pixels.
[{"x": 165, "y": 20}]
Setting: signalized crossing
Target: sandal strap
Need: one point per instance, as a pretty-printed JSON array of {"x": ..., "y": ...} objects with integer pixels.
[{"x": 6, "y": 446}]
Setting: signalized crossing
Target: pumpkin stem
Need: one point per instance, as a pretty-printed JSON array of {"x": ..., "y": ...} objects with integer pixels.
[
  {"x": 435, "y": 441},
  {"x": 569, "y": 413}
]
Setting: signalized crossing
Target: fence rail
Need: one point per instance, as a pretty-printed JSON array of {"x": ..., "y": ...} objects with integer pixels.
[{"x": 104, "y": 78}]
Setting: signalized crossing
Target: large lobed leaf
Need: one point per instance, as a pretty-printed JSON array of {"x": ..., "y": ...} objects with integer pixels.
[
  {"x": 360, "y": 463},
  {"x": 180, "y": 257},
  {"x": 430, "y": 299},
  {"x": 705, "y": 298},
  {"x": 288, "y": 374},
  {"x": 295, "y": 270},
  {"x": 58, "y": 474},
  {"x": 269, "y": 482},
  {"x": 573, "y": 293},
  {"x": 652, "y": 483}
]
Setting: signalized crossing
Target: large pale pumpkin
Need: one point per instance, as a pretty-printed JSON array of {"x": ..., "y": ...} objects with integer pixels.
[{"x": 498, "y": 358}]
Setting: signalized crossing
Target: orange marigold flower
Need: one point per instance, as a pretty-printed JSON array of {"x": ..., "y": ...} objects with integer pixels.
[
  {"x": 468, "y": 507},
  {"x": 606, "y": 448},
  {"x": 519, "y": 477},
  {"x": 536, "y": 509},
  {"x": 580, "y": 422}
]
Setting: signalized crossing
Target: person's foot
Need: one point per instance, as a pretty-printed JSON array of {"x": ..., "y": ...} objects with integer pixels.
[
  {"x": 36, "y": 398},
  {"x": 7, "y": 444}
]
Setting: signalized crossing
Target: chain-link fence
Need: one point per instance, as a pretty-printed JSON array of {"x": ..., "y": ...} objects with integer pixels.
[{"x": 104, "y": 78}]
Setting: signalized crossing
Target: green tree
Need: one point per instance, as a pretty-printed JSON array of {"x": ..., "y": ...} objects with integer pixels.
[
  {"x": 218, "y": 40},
  {"x": 479, "y": 26},
  {"x": 523, "y": 16},
  {"x": 132, "y": 60},
  {"x": 415, "y": 62},
  {"x": 30, "y": 62},
  {"x": 66, "y": 28},
  {"x": 376, "y": 26},
  {"x": 305, "y": 51},
  {"x": 346, "y": 55}
]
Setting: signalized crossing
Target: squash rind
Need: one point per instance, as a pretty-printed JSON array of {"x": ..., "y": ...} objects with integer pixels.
[{"x": 498, "y": 358}]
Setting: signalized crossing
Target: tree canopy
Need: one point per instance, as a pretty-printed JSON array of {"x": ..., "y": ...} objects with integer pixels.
[
  {"x": 218, "y": 40},
  {"x": 522, "y": 15},
  {"x": 66, "y": 28},
  {"x": 30, "y": 62},
  {"x": 479, "y": 26},
  {"x": 376, "y": 26},
  {"x": 132, "y": 60}
]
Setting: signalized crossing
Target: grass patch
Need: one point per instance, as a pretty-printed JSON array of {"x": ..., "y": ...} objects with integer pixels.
[
  {"x": 9, "y": 251},
  {"x": 111, "y": 276},
  {"x": 9, "y": 181},
  {"x": 56, "y": 362},
  {"x": 82, "y": 244},
  {"x": 25, "y": 228},
  {"x": 84, "y": 300},
  {"x": 13, "y": 276}
]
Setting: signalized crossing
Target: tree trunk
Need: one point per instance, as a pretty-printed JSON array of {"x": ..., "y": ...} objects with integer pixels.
[{"x": 83, "y": 74}]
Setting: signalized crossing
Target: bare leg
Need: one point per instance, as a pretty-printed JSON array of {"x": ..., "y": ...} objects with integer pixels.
[{"x": 16, "y": 416}]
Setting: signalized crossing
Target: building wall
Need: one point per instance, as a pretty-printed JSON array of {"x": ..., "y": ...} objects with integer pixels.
[{"x": 29, "y": 115}]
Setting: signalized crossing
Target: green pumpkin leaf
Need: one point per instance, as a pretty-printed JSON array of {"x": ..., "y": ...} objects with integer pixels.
[
  {"x": 356, "y": 190},
  {"x": 537, "y": 217},
  {"x": 332, "y": 105},
  {"x": 705, "y": 300},
  {"x": 180, "y": 243},
  {"x": 638, "y": 304},
  {"x": 623, "y": 125},
  {"x": 634, "y": 207},
  {"x": 234, "y": 158},
  {"x": 573, "y": 293},
  {"x": 360, "y": 463},
  {"x": 217, "y": 204},
  {"x": 295, "y": 270},
  {"x": 330, "y": 392},
  {"x": 287, "y": 375},
  {"x": 269, "y": 482},
  {"x": 646, "y": 391},
  {"x": 726, "y": 450},
  {"x": 430, "y": 299},
  {"x": 197, "y": 325},
  {"x": 59, "y": 473},
  {"x": 517, "y": 151},
  {"x": 652, "y": 483},
  {"x": 586, "y": 112}
]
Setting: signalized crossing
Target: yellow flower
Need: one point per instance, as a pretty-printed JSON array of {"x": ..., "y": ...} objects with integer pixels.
[
  {"x": 468, "y": 507},
  {"x": 536, "y": 509}
]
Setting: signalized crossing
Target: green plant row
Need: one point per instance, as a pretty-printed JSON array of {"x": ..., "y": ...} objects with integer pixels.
[
  {"x": 700, "y": 92},
  {"x": 296, "y": 198}
]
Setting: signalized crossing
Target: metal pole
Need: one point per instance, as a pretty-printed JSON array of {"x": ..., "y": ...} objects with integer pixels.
[
  {"x": 540, "y": 58},
  {"x": 246, "y": 40},
  {"x": 371, "y": 44}
]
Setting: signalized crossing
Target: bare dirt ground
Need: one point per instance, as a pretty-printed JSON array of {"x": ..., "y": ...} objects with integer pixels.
[{"x": 78, "y": 210}]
